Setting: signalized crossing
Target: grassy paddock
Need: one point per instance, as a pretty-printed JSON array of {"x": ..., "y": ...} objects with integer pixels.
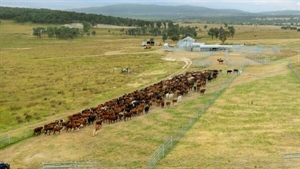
[
  {"x": 247, "y": 124},
  {"x": 117, "y": 145},
  {"x": 48, "y": 79}
]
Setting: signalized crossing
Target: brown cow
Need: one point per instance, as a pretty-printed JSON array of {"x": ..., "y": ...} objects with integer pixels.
[
  {"x": 48, "y": 128},
  {"x": 168, "y": 104},
  {"x": 96, "y": 129},
  {"x": 55, "y": 129},
  {"x": 174, "y": 101},
  {"x": 202, "y": 91},
  {"x": 38, "y": 130},
  {"x": 127, "y": 115}
]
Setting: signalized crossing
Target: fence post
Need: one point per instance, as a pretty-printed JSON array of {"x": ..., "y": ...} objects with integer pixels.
[
  {"x": 282, "y": 160},
  {"x": 163, "y": 150}
]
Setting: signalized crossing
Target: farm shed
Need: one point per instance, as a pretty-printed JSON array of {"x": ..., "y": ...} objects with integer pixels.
[
  {"x": 186, "y": 42},
  {"x": 151, "y": 43}
]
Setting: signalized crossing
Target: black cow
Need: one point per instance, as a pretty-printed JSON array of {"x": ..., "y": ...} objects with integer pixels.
[
  {"x": 146, "y": 109},
  {"x": 91, "y": 119},
  {"x": 4, "y": 166}
]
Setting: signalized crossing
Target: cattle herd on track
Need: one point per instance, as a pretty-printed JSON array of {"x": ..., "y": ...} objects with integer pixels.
[{"x": 162, "y": 94}]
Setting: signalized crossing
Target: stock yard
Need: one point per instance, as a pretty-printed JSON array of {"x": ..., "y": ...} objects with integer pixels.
[{"x": 256, "y": 117}]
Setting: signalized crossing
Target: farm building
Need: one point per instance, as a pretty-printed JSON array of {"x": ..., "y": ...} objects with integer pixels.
[
  {"x": 191, "y": 44},
  {"x": 151, "y": 43}
]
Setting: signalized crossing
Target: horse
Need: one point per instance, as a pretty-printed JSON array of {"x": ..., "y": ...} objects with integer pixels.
[{"x": 220, "y": 61}]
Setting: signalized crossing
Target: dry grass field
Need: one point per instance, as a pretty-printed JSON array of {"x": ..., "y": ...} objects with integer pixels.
[{"x": 48, "y": 79}]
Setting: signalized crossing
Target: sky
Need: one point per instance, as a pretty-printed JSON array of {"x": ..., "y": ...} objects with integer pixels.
[{"x": 245, "y": 5}]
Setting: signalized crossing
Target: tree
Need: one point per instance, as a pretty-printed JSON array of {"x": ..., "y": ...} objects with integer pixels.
[
  {"x": 38, "y": 31},
  {"x": 164, "y": 36},
  {"x": 50, "y": 32},
  {"x": 165, "y": 25},
  {"x": 173, "y": 31},
  {"x": 216, "y": 32},
  {"x": 231, "y": 31},
  {"x": 94, "y": 33},
  {"x": 86, "y": 26},
  {"x": 174, "y": 38},
  {"x": 170, "y": 24},
  {"x": 223, "y": 34},
  {"x": 205, "y": 27},
  {"x": 211, "y": 32},
  {"x": 158, "y": 24},
  {"x": 155, "y": 31},
  {"x": 122, "y": 30}
]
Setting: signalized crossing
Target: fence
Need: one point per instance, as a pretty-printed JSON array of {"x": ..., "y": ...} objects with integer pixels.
[
  {"x": 164, "y": 148},
  {"x": 4, "y": 140},
  {"x": 291, "y": 159},
  {"x": 293, "y": 70},
  {"x": 72, "y": 165}
]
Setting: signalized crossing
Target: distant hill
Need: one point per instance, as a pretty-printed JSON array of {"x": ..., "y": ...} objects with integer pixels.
[
  {"x": 139, "y": 10},
  {"x": 282, "y": 12},
  {"x": 143, "y": 11}
]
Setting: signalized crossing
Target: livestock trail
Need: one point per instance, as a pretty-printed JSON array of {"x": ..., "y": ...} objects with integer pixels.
[{"x": 163, "y": 93}]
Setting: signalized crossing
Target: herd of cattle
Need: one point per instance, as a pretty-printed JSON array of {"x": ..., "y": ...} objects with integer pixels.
[{"x": 163, "y": 94}]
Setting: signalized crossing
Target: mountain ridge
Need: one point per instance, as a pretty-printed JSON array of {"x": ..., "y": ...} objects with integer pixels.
[{"x": 136, "y": 10}]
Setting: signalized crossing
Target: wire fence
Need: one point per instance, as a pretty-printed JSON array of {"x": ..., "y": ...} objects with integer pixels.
[
  {"x": 289, "y": 160},
  {"x": 293, "y": 70},
  {"x": 4, "y": 140},
  {"x": 164, "y": 148}
]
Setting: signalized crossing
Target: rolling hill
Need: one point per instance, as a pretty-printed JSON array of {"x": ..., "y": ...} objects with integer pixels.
[{"x": 142, "y": 11}]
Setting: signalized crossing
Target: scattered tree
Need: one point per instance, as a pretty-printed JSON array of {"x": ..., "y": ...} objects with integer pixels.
[
  {"x": 94, "y": 33},
  {"x": 174, "y": 38},
  {"x": 231, "y": 31},
  {"x": 86, "y": 26},
  {"x": 223, "y": 34},
  {"x": 165, "y": 36}
]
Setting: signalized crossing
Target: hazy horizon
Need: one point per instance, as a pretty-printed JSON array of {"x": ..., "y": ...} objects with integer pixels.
[{"x": 244, "y": 5}]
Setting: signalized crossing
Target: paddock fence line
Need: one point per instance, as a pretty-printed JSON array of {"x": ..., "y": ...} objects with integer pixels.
[
  {"x": 72, "y": 165},
  {"x": 293, "y": 70},
  {"x": 167, "y": 146},
  {"x": 5, "y": 140},
  {"x": 291, "y": 159}
]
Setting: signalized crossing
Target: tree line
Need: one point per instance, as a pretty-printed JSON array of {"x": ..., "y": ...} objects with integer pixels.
[
  {"x": 47, "y": 16},
  {"x": 222, "y": 33},
  {"x": 63, "y": 32},
  {"x": 166, "y": 29}
]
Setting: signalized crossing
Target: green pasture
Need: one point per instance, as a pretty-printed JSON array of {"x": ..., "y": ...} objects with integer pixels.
[
  {"x": 124, "y": 144},
  {"x": 249, "y": 126},
  {"x": 47, "y": 79},
  {"x": 42, "y": 77}
]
